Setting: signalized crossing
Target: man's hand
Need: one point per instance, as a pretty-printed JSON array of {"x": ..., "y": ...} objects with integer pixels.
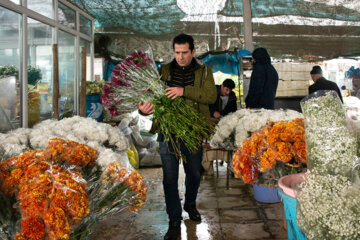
[
  {"x": 217, "y": 115},
  {"x": 174, "y": 92},
  {"x": 146, "y": 108}
]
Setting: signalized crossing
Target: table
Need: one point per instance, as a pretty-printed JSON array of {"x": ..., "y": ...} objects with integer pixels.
[{"x": 216, "y": 154}]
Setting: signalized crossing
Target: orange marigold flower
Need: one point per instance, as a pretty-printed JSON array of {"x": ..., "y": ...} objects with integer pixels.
[
  {"x": 77, "y": 205},
  {"x": 285, "y": 151},
  {"x": 57, "y": 223},
  {"x": 32, "y": 228},
  {"x": 300, "y": 151},
  {"x": 71, "y": 152},
  {"x": 19, "y": 236}
]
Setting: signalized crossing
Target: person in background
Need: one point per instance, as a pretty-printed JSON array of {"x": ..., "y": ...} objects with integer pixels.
[
  {"x": 263, "y": 82},
  {"x": 320, "y": 83},
  {"x": 192, "y": 80},
  {"x": 226, "y": 100}
]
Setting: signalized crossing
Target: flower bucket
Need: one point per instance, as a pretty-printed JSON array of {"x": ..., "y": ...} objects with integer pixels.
[
  {"x": 266, "y": 194},
  {"x": 287, "y": 191},
  {"x": 94, "y": 107}
]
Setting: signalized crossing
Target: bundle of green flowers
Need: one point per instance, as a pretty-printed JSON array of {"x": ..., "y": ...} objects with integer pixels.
[
  {"x": 95, "y": 87},
  {"x": 137, "y": 78}
]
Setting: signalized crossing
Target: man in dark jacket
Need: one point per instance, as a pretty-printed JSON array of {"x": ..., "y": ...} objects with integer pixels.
[
  {"x": 320, "y": 83},
  {"x": 263, "y": 82},
  {"x": 226, "y": 100}
]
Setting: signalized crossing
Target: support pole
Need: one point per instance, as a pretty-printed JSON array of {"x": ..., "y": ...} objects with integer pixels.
[
  {"x": 83, "y": 83},
  {"x": 248, "y": 38},
  {"x": 56, "y": 85}
]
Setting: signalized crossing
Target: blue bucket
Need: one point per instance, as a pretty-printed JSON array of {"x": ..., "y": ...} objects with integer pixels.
[
  {"x": 293, "y": 231},
  {"x": 266, "y": 194},
  {"x": 94, "y": 108}
]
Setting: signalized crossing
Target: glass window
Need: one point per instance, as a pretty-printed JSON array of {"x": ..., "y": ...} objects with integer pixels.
[
  {"x": 86, "y": 44},
  {"x": 66, "y": 16},
  {"x": 85, "y": 25},
  {"x": 40, "y": 71},
  {"x": 15, "y": 1},
  {"x": 43, "y": 7},
  {"x": 10, "y": 35},
  {"x": 67, "y": 73}
]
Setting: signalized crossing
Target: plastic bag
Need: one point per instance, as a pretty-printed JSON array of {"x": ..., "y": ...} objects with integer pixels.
[
  {"x": 133, "y": 156},
  {"x": 52, "y": 192}
]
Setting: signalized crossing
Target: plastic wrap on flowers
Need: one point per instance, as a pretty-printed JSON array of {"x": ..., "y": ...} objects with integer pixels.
[
  {"x": 275, "y": 151},
  {"x": 54, "y": 200},
  {"x": 331, "y": 146},
  {"x": 117, "y": 189},
  {"x": 50, "y": 198},
  {"x": 328, "y": 207}
]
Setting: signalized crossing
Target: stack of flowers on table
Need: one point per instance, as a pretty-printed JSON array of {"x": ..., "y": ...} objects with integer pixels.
[
  {"x": 55, "y": 200},
  {"x": 276, "y": 150},
  {"x": 137, "y": 79},
  {"x": 233, "y": 129},
  {"x": 329, "y": 198}
]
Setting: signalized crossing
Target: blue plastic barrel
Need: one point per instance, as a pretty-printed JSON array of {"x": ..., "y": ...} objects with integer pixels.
[
  {"x": 293, "y": 231},
  {"x": 94, "y": 108},
  {"x": 266, "y": 194}
]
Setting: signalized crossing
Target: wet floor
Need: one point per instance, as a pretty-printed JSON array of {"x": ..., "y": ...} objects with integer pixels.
[{"x": 227, "y": 214}]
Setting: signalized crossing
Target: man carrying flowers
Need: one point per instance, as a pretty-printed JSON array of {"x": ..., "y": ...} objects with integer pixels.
[{"x": 185, "y": 77}]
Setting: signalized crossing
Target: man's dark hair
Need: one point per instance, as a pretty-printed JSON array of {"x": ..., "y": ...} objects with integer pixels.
[
  {"x": 182, "y": 39},
  {"x": 229, "y": 83},
  {"x": 316, "y": 70}
]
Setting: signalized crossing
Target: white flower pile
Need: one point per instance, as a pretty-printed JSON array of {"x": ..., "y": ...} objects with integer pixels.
[
  {"x": 245, "y": 121},
  {"x": 79, "y": 129},
  {"x": 329, "y": 207},
  {"x": 329, "y": 200},
  {"x": 14, "y": 143},
  {"x": 331, "y": 146},
  {"x": 100, "y": 136}
]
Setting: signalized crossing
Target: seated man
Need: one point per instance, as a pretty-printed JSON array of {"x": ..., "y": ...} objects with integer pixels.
[
  {"x": 225, "y": 104},
  {"x": 226, "y": 100}
]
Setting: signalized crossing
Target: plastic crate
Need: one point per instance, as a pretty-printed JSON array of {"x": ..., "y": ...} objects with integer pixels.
[
  {"x": 293, "y": 231},
  {"x": 266, "y": 194}
]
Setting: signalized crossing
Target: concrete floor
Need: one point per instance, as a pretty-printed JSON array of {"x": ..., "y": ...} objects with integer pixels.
[{"x": 226, "y": 213}]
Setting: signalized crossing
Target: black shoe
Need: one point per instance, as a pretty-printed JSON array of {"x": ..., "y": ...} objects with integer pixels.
[
  {"x": 193, "y": 212},
  {"x": 174, "y": 231}
]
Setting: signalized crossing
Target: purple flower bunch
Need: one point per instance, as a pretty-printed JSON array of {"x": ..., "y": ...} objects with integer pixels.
[{"x": 127, "y": 84}]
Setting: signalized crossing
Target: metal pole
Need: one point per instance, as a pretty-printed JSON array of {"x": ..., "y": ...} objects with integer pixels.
[
  {"x": 83, "y": 83},
  {"x": 248, "y": 39},
  {"x": 24, "y": 73},
  {"x": 56, "y": 86}
]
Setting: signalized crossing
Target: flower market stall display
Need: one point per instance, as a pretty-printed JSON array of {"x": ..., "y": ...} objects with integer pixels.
[
  {"x": 137, "y": 79},
  {"x": 328, "y": 202},
  {"x": 233, "y": 129},
  {"x": 100, "y": 136},
  {"x": 331, "y": 146},
  {"x": 276, "y": 150},
  {"x": 329, "y": 207},
  {"x": 60, "y": 192}
]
